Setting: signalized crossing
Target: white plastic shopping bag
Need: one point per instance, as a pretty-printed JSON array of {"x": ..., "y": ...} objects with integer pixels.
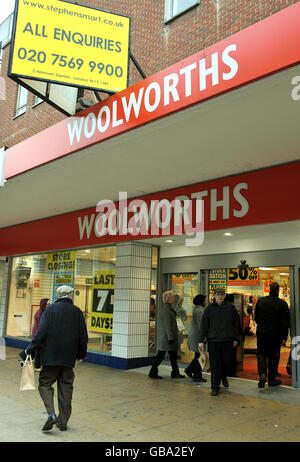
[{"x": 27, "y": 376}]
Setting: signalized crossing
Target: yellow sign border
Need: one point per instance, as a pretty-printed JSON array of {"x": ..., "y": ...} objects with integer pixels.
[{"x": 58, "y": 48}]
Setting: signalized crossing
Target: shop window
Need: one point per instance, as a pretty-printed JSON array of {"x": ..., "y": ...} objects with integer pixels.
[
  {"x": 174, "y": 8},
  {"x": 30, "y": 282},
  {"x": 94, "y": 294},
  {"x": 90, "y": 272},
  {"x": 21, "y": 100}
]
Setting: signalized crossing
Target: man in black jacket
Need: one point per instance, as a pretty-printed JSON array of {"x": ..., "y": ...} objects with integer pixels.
[
  {"x": 272, "y": 318},
  {"x": 62, "y": 337},
  {"x": 220, "y": 325}
]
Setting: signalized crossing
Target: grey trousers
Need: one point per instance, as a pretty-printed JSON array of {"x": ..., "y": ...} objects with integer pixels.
[{"x": 64, "y": 376}]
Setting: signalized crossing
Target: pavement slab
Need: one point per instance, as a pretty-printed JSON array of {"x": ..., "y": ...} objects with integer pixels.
[{"x": 116, "y": 406}]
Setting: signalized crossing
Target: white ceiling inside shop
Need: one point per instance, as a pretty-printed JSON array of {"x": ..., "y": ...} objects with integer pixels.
[
  {"x": 243, "y": 239},
  {"x": 253, "y": 127}
]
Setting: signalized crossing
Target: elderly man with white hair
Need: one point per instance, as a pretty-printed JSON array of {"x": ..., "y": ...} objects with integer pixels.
[
  {"x": 166, "y": 337},
  {"x": 62, "y": 339}
]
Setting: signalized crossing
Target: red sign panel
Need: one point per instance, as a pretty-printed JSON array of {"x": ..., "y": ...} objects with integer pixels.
[
  {"x": 255, "y": 52},
  {"x": 228, "y": 203}
]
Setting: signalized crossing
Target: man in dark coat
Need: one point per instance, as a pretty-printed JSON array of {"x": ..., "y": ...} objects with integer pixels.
[
  {"x": 220, "y": 325},
  {"x": 62, "y": 337},
  {"x": 272, "y": 318}
]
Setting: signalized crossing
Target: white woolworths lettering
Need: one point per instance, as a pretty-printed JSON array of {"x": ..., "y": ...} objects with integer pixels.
[
  {"x": 133, "y": 103},
  {"x": 187, "y": 72},
  {"x": 224, "y": 202},
  {"x": 139, "y": 223},
  {"x": 214, "y": 69},
  {"x": 89, "y": 131},
  {"x": 100, "y": 228},
  {"x": 296, "y": 90},
  {"x": 151, "y": 96},
  {"x": 103, "y": 128},
  {"x": 157, "y": 94},
  {"x": 296, "y": 341},
  {"x": 115, "y": 121}
]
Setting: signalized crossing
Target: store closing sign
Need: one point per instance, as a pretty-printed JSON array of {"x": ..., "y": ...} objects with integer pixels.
[
  {"x": 101, "y": 320},
  {"x": 72, "y": 44},
  {"x": 61, "y": 261}
]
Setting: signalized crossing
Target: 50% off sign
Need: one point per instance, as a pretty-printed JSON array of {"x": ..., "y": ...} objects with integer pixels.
[{"x": 243, "y": 276}]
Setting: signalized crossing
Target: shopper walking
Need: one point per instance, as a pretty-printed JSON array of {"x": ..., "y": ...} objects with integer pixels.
[
  {"x": 181, "y": 318},
  {"x": 62, "y": 338},
  {"x": 272, "y": 319},
  {"x": 166, "y": 337},
  {"x": 37, "y": 319},
  {"x": 220, "y": 327},
  {"x": 194, "y": 370}
]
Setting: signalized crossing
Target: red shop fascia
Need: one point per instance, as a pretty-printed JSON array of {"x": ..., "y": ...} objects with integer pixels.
[
  {"x": 228, "y": 203},
  {"x": 254, "y": 53}
]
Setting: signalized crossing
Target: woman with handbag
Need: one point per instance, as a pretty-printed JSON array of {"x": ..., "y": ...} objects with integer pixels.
[
  {"x": 194, "y": 370},
  {"x": 166, "y": 337}
]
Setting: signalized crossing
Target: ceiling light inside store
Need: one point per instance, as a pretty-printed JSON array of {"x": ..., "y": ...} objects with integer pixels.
[
  {"x": 267, "y": 269},
  {"x": 169, "y": 240},
  {"x": 228, "y": 234},
  {"x": 284, "y": 274}
]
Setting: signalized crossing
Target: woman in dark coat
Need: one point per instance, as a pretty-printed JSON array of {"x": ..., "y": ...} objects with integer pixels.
[
  {"x": 37, "y": 319},
  {"x": 166, "y": 337},
  {"x": 194, "y": 370}
]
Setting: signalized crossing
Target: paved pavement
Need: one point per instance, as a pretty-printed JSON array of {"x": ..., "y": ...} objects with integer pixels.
[{"x": 115, "y": 406}]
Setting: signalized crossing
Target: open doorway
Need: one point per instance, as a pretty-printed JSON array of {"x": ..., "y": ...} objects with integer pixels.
[
  {"x": 247, "y": 290},
  {"x": 248, "y": 296}
]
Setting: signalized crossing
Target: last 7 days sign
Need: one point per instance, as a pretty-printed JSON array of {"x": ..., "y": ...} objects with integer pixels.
[
  {"x": 101, "y": 320},
  {"x": 70, "y": 44}
]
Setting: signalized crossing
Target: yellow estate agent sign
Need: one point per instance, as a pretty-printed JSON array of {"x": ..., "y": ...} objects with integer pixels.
[
  {"x": 72, "y": 44},
  {"x": 101, "y": 320}
]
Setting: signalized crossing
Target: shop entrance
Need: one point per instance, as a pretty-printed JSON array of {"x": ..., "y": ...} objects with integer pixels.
[
  {"x": 247, "y": 287},
  {"x": 246, "y": 294}
]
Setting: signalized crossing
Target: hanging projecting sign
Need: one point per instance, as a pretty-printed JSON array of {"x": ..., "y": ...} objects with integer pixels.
[
  {"x": 71, "y": 44},
  {"x": 243, "y": 277}
]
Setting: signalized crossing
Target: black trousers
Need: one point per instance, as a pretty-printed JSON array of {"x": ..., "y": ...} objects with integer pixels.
[
  {"x": 158, "y": 359},
  {"x": 220, "y": 356},
  {"x": 194, "y": 366},
  {"x": 64, "y": 376},
  {"x": 268, "y": 347},
  {"x": 233, "y": 365}
]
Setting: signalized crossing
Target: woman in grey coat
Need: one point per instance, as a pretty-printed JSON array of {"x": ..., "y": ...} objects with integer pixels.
[
  {"x": 194, "y": 370},
  {"x": 166, "y": 337}
]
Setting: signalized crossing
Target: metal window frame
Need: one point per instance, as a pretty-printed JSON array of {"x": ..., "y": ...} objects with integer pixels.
[
  {"x": 21, "y": 109},
  {"x": 169, "y": 10}
]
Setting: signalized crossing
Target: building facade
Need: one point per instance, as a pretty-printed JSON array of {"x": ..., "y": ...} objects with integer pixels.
[{"x": 90, "y": 200}]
